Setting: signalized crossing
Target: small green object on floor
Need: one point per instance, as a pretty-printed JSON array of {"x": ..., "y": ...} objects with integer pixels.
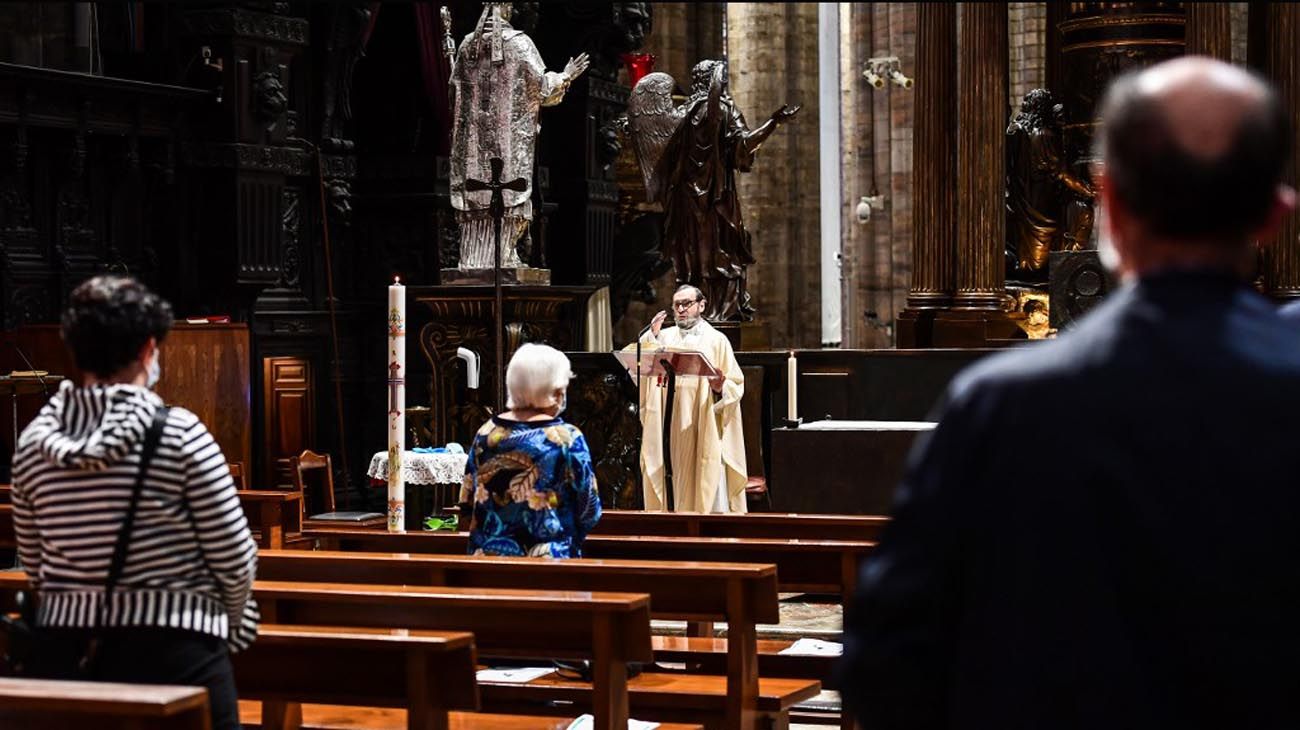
[{"x": 443, "y": 524}]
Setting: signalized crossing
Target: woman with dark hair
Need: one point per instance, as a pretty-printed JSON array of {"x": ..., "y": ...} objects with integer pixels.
[{"x": 127, "y": 520}]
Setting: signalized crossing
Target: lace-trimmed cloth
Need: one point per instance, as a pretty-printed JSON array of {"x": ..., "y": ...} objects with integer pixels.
[{"x": 421, "y": 468}]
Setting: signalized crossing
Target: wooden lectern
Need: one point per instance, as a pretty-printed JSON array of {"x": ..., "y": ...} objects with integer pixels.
[{"x": 669, "y": 364}]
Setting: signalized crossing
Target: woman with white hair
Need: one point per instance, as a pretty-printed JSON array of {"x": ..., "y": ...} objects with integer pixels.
[{"x": 529, "y": 487}]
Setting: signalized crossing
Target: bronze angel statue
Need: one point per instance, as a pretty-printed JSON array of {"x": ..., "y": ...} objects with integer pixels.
[{"x": 689, "y": 155}]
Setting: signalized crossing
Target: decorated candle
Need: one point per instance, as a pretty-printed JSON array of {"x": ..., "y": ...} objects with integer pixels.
[
  {"x": 792, "y": 387},
  {"x": 396, "y": 405}
]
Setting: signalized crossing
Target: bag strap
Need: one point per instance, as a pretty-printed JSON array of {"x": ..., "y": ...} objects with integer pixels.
[{"x": 151, "y": 439}]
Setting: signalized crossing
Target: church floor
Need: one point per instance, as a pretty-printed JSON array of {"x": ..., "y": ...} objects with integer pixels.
[{"x": 802, "y": 616}]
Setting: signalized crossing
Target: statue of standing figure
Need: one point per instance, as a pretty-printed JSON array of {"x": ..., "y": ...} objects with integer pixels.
[
  {"x": 689, "y": 156},
  {"x": 1048, "y": 207},
  {"x": 499, "y": 82}
]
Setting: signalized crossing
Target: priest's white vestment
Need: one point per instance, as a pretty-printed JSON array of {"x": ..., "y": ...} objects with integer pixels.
[{"x": 708, "y": 445}]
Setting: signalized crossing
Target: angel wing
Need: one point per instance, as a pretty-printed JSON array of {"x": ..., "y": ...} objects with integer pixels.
[{"x": 652, "y": 120}]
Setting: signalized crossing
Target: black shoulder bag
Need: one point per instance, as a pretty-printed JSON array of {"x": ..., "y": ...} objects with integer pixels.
[{"x": 23, "y": 636}]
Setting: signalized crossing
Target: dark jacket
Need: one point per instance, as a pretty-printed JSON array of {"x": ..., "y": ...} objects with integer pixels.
[{"x": 1102, "y": 532}]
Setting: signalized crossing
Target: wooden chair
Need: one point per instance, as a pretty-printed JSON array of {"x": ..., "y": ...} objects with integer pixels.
[
  {"x": 316, "y": 470},
  {"x": 237, "y": 474}
]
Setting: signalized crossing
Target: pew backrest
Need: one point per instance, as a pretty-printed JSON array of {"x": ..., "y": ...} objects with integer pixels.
[
  {"x": 778, "y": 525},
  {"x": 679, "y": 590},
  {"x": 810, "y": 566},
  {"x": 427, "y": 673}
]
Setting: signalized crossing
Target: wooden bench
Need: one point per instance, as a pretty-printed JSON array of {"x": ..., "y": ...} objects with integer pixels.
[
  {"x": 272, "y": 513},
  {"x": 742, "y": 594},
  {"x": 802, "y": 566},
  {"x": 41, "y": 704},
  {"x": 425, "y": 673},
  {"x": 784, "y": 526},
  {"x": 337, "y": 716},
  {"x": 611, "y": 629}
]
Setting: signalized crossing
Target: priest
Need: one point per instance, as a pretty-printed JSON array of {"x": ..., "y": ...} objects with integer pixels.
[{"x": 707, "y": 444}]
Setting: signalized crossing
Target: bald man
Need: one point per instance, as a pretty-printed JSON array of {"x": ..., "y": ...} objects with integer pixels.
[{"x": 1135, "y": 562}]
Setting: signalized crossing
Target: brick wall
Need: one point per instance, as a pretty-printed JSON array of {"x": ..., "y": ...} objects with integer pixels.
[{"x": 1026, "y": 40}]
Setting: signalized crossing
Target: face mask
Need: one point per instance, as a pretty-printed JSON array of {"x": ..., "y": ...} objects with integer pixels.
[
  {"x": 153, "y": 373},
  {"x": 564, "y": 403}
]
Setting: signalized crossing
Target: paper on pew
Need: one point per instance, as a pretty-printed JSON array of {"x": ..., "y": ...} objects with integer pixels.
[
  {"x": 586, "y": 722},
  {"x": 517, "y": 674},
  {"x": 814, "y": 647}
]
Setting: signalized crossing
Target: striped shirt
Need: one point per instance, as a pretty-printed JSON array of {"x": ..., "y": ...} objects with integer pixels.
[{"x": 190, "y": 561}]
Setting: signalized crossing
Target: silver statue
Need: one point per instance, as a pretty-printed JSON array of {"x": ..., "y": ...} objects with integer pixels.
[{"x": 500, "y": 83}]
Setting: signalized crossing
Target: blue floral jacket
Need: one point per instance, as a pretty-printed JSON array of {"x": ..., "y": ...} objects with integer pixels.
[{"x": 532, "y": 489}]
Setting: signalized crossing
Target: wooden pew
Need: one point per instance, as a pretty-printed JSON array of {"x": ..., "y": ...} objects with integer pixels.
[
  {"x": 784, "y": 526},
  {"x": 741, "y": 594},
  {"x": 336, "y": 716},
  {"x": 611, "y": 629},
  {"x": 425, "y": 673},
  {"x": 272, "y": 513},
  {"x": 802, "y": 566},
  {"x": 41, "y": 704}
]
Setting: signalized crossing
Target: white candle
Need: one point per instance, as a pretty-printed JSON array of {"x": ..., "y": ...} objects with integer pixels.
[
  {"x": 792, "y": 387},
  {"x": 396, "y": 405}
]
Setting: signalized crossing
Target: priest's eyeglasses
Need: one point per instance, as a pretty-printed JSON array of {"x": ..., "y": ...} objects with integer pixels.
[{"x": 683, "y": 306}]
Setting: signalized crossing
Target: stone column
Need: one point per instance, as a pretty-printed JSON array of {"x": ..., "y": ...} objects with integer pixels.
[
  {"x": 981, "y": 128},
  {"x": 773, "y": 61},
  {"x": 1282, "y": 66},
  {"x": 934, "y": 169},
  {"x": 1209, "y": 30}
]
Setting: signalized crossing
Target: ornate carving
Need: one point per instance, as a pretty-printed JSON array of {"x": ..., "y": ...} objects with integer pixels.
[
  {"x": 269, "y": 98},
  {"x": 290, "y": 161},
  {"x": 637, "y": 263},
  {"x": 601, "y": 405},
  {"x": 29, "y": 305},
  {"x": 248, "y": 24},
  {"x": 338, "y": 192},
  {"x": 290, "y": 230}
]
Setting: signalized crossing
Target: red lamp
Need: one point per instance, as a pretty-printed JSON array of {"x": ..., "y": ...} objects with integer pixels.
[{"x": 638, "y": 65}]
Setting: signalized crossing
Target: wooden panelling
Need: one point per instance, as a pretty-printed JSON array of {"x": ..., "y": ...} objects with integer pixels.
[
  {"x": 205, "y": 369},
  {"x": 288, "y": 409}
]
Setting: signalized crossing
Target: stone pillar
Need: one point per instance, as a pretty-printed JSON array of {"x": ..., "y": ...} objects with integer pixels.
[
  {"x": 773, "y": 61},
  {"x": 1209, "y": 30},
  {"x": 981, "y": 128},
  {"x": 934, "y": 171},
  {"x": 1282, "y": 66}
]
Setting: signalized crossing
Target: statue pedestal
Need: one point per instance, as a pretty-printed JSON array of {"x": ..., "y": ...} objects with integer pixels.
[
  {"x": 755, "y": 335},
  {"x": 1076, "y": 283},
  {"x": 483, "y": 277},
  {"x": 445, "y": 318}
]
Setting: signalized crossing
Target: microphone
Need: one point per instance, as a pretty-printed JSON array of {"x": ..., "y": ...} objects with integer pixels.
[{"x": 45, "y": 387}]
